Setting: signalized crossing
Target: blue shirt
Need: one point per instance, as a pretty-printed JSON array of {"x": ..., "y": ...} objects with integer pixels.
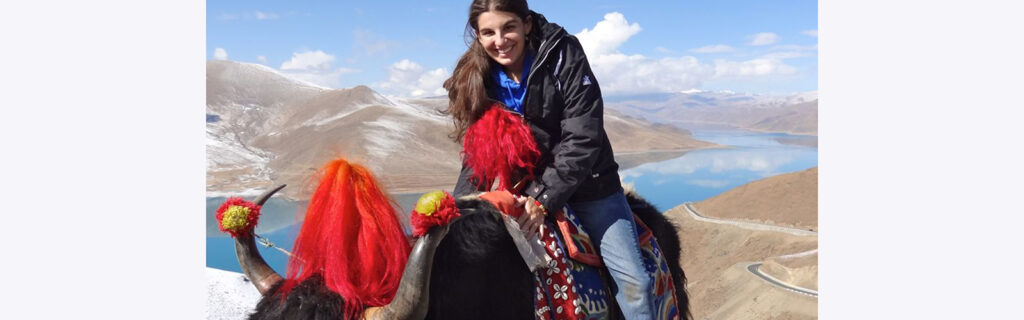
[{"x": 508, "y": 91}]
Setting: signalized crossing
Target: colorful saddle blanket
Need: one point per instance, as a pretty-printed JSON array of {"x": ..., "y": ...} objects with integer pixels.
[{"x": 573, "y": 286}]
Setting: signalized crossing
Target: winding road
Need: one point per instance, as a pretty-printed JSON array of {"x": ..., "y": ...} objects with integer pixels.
[
  {"x": 747, "y": 225},
  {"x": 754, "y": 268}
]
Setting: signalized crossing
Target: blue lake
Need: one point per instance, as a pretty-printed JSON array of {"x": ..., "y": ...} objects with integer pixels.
[
  {"x": 701, "y": 174},
  {"x": 693, "y": 176}
]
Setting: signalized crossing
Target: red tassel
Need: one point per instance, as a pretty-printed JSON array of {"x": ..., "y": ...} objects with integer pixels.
[
  {"x": 496, "y": 145},
  {"x": 352, "y": 237},
  {"x": 443, "y": 215}
]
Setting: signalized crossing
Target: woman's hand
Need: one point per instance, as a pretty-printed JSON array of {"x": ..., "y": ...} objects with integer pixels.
[{"x": 532, "y": 219}]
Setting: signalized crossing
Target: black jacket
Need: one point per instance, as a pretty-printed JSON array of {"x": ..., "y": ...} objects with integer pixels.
[{"x": 565, "y": 112}]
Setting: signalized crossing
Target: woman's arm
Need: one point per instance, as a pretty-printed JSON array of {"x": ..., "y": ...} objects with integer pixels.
[
  {"x": 466, "y": 184},
  {"x": 582, "y": 128}
]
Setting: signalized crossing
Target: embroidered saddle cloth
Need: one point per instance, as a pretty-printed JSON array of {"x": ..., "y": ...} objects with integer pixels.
[{"x": 573, "y": 284}]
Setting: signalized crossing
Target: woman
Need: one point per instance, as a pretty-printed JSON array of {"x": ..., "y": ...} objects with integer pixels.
[{"x": 539, "y": 71}]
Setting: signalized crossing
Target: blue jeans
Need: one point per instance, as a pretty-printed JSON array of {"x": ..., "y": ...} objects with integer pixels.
[{"x": 609, "y": 222}]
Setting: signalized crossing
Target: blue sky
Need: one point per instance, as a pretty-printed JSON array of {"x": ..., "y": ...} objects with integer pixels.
[{"x": 407, "y": 48}]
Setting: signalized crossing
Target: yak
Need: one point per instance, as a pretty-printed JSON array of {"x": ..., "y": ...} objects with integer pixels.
[{"x": 468, "y": 269}]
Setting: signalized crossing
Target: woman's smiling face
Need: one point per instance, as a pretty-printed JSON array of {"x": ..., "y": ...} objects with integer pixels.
[{"x": 503, "y": 36}]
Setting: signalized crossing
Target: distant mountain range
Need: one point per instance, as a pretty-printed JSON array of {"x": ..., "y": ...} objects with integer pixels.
[
  {"x": 796, "y": 114},
  {"x": 264, "y": 128}
]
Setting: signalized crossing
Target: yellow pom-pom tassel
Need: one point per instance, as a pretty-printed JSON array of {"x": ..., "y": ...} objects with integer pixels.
[
  {"x": 236, "y": 218},
  {"x": 429, "y": 202}
]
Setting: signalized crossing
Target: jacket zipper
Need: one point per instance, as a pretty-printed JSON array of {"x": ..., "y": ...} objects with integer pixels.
[{"x": 533, "y": 70}]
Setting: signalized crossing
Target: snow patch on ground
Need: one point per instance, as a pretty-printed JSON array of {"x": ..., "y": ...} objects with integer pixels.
[
  {"x": 230, "y": 295},
  {"x": 320, "y": 122},
  {"x": 421, "y": 111},
  {"x": 224, "y": 152},
  {"x": 385, "y": 136},
  {"x": 296, "y": 81}
]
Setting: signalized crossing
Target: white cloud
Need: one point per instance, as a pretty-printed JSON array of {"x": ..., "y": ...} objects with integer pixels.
[
  {"x": 764, "y": 38},
  {"x": 790, "y": 51},
  {"x": 309, "y": 60},
  {"x": 663, "y": 50},
  {"x": 265, "y": 16},
  {"x": 812, "y": 33},
  {"x": 607, "y": 35},
  {"x": 718, "y": 48},
  {"x": 407, "y": 78},
  {"x": 751, "y": 68},
  {"x": 220, "y": 54},
  {"x": 315, "y": 67},
  {"x": 262, "y": 59},
  {"x": 637, "y": 73},
  {"x": 622, "y": 73}
]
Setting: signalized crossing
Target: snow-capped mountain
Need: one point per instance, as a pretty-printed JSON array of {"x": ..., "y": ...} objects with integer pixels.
[
  {"x": 797, "y": 113},
  {"x": 264, "y": 127}
]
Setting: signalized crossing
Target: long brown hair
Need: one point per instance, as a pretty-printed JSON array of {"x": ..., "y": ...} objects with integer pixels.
[{"x": 467, "y": 88}]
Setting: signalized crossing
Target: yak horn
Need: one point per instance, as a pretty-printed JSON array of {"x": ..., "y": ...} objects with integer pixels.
[
  {"x": 253, "y": 265},
  {"x": 413, "y": 294}
]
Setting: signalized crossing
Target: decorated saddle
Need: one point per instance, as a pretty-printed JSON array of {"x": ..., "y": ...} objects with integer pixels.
[{"x": 573, "y": 284}]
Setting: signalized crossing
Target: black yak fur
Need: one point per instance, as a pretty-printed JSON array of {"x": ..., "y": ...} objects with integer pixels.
[
  {"x": 477, "y": 274},
  {"x": 308, "y": 300}
]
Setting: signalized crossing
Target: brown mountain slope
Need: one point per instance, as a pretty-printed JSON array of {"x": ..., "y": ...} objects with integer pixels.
[
  {"x": 796, "y": 119},
  {"x": 800, "y": 269},
  {"x": 407, "y": 148},
  {"x": 715, "y": 257},
  {"x": 787, "y": 200}
]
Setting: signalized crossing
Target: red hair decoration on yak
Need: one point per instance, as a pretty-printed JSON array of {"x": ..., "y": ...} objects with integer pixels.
[
  {"x": 351, "y": 259},
  {"x": 496, "y": 145},
  {"x": 352, "y": 238}
]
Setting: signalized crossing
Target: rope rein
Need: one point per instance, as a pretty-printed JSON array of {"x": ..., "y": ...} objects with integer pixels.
[{"x": 266, "y": 243}]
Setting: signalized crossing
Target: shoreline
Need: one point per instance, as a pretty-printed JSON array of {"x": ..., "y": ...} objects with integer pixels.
[{"x": 733, "y": 127}]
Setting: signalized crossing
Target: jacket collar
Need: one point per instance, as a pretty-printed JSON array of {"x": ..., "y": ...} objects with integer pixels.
[{"x": 549, "y": 32}]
